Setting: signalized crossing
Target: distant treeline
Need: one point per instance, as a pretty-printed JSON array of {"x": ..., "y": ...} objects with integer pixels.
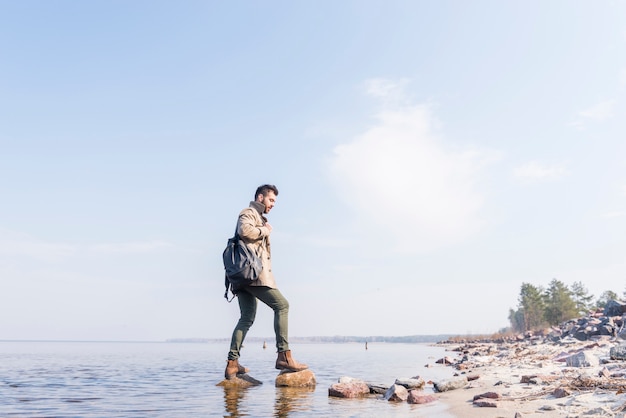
[
  {"x": 334, "y": 339},
  {"x": 540, "y": 307}
]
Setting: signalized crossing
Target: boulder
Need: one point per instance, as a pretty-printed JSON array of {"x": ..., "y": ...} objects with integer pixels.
[
  {"x": 304, "y": 378},
  {"x": 582, "y": 359},
  {"x": 614, "y": 308},
  {"x": 396, "y": 393},
  {"x": 618, "y": 352},
  {"x": 419, "y": 397},
  {"x": 415, "y": 382},
  {"x": 242, "y": 380},
  {"x": 450, "y": 384},
  {"x": 349, "y": 388}
]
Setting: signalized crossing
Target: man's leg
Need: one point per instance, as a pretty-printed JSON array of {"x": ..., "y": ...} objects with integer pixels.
[
  {"x": 247, "y": 308},
  {"x": 275, "y": 300}
]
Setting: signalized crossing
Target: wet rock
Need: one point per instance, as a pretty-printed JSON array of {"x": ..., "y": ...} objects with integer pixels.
[
  {"x": 415, "y": 382},
  {"x": 377, "y": 389},
  {"x": 450, "y": 384},
  {"x": 445, "y": 360},
  {"x": 304, "y": 378},
  {"x": 349, "y": 388},
  {"x": 242, "y": 380},
  {"x": 419, "y": 397},
  {"x": 396, "y": 393}
]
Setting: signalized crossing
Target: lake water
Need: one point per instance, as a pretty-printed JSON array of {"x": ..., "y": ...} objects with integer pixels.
[{"x": 96, "y": 379}]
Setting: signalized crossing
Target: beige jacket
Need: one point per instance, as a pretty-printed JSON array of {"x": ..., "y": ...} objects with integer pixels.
[{"x": 252, "y": 230}]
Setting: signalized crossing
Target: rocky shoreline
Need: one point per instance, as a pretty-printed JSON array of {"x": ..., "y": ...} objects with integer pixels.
[{"x": 577, "y": 369}]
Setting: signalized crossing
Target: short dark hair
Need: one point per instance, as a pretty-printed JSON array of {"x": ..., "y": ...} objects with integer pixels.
[{"x": 265, "y": 189}]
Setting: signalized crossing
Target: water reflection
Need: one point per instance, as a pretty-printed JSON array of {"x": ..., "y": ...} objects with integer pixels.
[
  {"x": 292, "y": 399},
  {"x": 232, "y": 400}
]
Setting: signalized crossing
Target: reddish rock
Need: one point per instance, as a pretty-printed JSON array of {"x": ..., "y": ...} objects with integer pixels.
[
  {"x": 418, "y": 397},
  {"x": 527, "y": 377},
  {"x": 485, "y": 404},
  {"x": 396, "y": 393},
  {"x": 353, "y": 389},
  {"x": 304, "y": 378},
  {"x": 471, "y": 377},
  {"x": 240, "y": 381},
  {"x": 487, "y": 395}
]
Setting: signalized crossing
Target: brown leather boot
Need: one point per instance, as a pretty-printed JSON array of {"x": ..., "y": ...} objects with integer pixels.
[
  {"x": 286, "y": 362},
  {"x": 233, "y": 368}
]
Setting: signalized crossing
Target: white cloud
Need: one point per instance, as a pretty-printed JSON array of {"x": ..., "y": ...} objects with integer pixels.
[
  {"x": 601, "y": 111},
  {"x": 597, "y": 113},
  {"x": 404, "y": 185},
  {"x": 389, "y": 91},
  {"x": 535, "y": 171}
]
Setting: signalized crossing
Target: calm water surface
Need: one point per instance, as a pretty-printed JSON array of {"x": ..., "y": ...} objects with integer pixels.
[{"x": 94, "y": 379}]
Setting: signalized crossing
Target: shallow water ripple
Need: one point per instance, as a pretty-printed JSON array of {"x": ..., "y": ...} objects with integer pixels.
[{"x": 65, "y": 379}]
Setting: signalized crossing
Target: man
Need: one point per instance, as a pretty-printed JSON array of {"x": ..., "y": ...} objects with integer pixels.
[{"x": 255, "y": 230}]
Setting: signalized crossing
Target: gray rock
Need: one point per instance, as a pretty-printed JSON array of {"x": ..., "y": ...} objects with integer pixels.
[
  {"x": 396, "y": 393},
  {"x": 582, "y": 359},
  {"x": 450, "y": 384},
  {"x": 412, "y": 383},
  {"x": 614, "y": 308},
  {"x": 618, "y": 352}
]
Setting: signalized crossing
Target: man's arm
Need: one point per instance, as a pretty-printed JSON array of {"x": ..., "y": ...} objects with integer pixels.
[{"x": 247, "y": 227}]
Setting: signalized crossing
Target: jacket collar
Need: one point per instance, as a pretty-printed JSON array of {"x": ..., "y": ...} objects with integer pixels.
[{"x": 260, "y": 207}]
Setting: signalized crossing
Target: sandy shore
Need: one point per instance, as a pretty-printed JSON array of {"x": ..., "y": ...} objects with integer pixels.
[{"x": 532, "y": 379}]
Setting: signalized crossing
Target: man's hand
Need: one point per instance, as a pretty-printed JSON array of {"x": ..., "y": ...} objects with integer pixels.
[{"x": 268, "y": 226}]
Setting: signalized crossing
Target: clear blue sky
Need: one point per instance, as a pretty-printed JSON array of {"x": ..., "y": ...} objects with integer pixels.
[{"x": 431, "y": 157}]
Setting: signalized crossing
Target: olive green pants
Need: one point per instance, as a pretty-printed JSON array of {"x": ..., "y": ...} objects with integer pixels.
[{"x": 247, "y": 298}]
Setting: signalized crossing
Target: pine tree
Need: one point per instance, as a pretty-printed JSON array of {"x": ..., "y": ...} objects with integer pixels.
[
  {"x": 531, "y": 307},
  {"x": 582, "y": 298},
  {"x": 605, "y": 298},
  {"x": 559, "y": 303}
]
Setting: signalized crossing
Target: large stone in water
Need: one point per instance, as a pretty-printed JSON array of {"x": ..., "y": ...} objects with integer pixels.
[
  {"x": 349, "y": 388},
  {"x": 450, "y": 384},
  {"x": 419, "y": 397},
  {"x": 396, "y": 393},
  {"x": 240, "y": 381},
  {"x": 302, "y": 379},
  {"x": 412, "y": 383}
]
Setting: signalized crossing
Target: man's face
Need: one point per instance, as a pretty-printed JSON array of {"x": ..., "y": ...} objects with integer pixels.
[{"x": 269, "y": 200}]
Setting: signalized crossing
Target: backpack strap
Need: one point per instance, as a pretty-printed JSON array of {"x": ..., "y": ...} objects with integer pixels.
[{"x": 227, "y": 284}]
